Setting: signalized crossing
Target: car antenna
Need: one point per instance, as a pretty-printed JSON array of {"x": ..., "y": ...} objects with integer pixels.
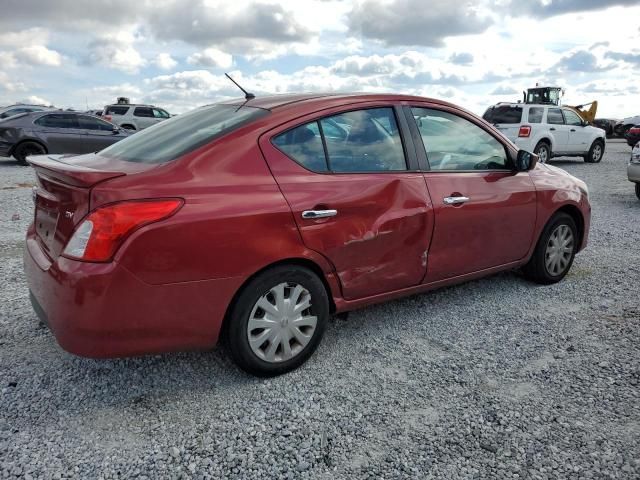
[{"x": 247, "y": 95}]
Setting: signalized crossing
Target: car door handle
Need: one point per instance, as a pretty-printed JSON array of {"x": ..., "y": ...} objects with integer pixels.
[
  {"x": 552, "y": 129},
  {"x": 573, "y": 129},
  {"x": 312, "y": 214},
  {"x": 455, "y": 200}
]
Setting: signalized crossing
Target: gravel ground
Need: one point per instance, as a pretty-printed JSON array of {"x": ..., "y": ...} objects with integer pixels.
[{"x": 497, "y": 378}]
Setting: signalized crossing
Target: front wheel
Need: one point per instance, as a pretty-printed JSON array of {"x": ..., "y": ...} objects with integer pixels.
[
  {"x": 555, "y": 251},
  {"x": 278, "y": 321},
  {"x": 595, "y": 153},
  {"x": 543, "y": 151},
  {"x": 26, "y": 149}
]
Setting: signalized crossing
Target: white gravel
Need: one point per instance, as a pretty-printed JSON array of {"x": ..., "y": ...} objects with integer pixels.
[{"x": 497, "y": 378}]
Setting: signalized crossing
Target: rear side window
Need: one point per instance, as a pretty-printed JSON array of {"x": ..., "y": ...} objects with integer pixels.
[
  {"x": 176, "y": 136},
  {"x": 143, "y": 112},
  {"x": 355, "y": 142},
  {"x": 501, "y": 114},
  {"x": 58, "y": 120},
  {"x": 554, "y": 116},
  {"x": 114, "y": 110},
  {"x": 90, "y": 123},
  {"x": 304, "y": 145},
  {"x": 535, "y": 115}
]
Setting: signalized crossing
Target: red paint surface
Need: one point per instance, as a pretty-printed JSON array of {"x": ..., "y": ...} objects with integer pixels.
[{"x": 170, "y": 284}]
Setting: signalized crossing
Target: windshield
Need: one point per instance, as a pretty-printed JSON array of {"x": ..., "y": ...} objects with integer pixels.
[{"x": 172, "y": 138}]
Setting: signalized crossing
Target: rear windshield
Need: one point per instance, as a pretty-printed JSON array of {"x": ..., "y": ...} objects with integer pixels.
[
  {"x": 172, "y": 138},
  {"x": 503, "y": 114}
]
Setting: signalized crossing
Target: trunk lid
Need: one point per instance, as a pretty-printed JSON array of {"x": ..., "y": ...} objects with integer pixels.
[{"x": 62, "y": 195}]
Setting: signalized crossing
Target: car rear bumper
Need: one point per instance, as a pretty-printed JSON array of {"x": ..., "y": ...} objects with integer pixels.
[
  {"x": 633, "y": 172},
  {"x": 102, "y": 310}
]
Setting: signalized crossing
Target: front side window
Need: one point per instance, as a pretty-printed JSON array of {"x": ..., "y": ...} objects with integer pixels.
[
  {"x": 354, "y": 142},
  {"x": 159, "y": 113},
  {"x": 58, "y": 120},
  {"x": 554, "y": 116},
  {"x": 535, "y": 114},
  {"x": 176, "y": 136},
  {"x": 454, "y": 143},
  {"x": 572, "y": 118}
]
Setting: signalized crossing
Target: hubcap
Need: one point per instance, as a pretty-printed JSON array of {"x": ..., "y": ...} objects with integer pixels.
[
  {"x": 597, "y": 153},
  {"x": 543, "y": 154},
  {"x": 559, "y": 250},
  {"x": 281, "y": 323}
]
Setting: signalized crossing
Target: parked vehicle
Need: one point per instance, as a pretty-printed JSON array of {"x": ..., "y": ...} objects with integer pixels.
[
  {"x": 257, "y": 219},
  {"x": 623, "y": 126},
  {"x": 606, "y": 124},
  {"x": 55, "y": 132},
  {"x": 633, "y": 170},
  {"x": 95, "y": 113},
  {"x": 11, "y": 110},
  {"x": 633, "y": 135},
  {"x": 134, "y": 117},
  {"x": 548, "y": 131}
]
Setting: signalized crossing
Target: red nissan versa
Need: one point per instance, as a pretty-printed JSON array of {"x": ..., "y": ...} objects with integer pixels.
[{"x": 256, "y": 220}]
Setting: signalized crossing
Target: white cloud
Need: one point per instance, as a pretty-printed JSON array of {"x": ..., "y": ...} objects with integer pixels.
[
  {"x": 38, "y": 55},
  {"x": 35, "y": 100},
  {"x": 116, "y": 51},
  {"x": 29, "y": 36},
  {"x": 165, "y": 61},
  {"x": 211, "y": 57}
]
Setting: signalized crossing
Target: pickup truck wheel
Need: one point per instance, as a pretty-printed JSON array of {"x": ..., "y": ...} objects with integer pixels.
[
  {"x": 24, "y": 149},
  {"x": 277, "y": 321},
  {"x": 555, "y": 251},
  {"x": 638, "y": 190},
  {"x": 543, "y": 150},
  {"x": 595, "y": 153}
]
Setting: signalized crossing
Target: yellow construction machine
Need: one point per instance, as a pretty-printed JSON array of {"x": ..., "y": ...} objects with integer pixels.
[{"x": 552, "y": 95}]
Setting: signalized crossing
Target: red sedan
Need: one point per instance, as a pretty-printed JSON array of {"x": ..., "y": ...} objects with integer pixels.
[{"x": 257, "y": 220}]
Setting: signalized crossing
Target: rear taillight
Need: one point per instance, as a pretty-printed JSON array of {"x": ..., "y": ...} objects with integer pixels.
[
  {"x": 101, "y": 233},
  {"x": 634, "y": 131},
  {"x": 525, "y": 131}
]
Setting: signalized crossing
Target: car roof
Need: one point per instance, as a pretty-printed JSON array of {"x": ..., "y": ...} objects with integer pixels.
[
  {"x": 130, "y": 105},
  {"x": 278, "y": 102}
]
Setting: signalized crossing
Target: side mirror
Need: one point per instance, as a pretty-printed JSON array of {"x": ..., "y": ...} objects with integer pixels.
[
  {"x": 526, "y": 161},
  {"x": 116, "y": 129}
]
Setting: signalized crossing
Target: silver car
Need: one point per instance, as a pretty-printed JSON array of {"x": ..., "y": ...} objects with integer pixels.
[{"x": 633, "y": 170}]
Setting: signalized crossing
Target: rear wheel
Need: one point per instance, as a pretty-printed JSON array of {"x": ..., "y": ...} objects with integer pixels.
[
  {"x": 543, "y": 151},
  {"x": 278, "y": 321},
  {"x": 554, "y": 252},
  {"x": 638, "y": 190},
  {"x": 23, "y": 150},
  {"x": 595, "y": 153}
]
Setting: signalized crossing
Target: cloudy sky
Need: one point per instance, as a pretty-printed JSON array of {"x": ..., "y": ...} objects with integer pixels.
[{"x": 173, "y": 53}]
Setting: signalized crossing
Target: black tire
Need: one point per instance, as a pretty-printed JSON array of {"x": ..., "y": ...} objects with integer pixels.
[
  {"x": 24, "y": 149},
  {"x": 638, "y": 190},
  {"x": 594, "y": 155},
  {"x": 126, "y": 126},
  {"x": 536, "y": 270},
  {"x": 543, "y": 150},
  {"x": 236, "y": 334}
]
